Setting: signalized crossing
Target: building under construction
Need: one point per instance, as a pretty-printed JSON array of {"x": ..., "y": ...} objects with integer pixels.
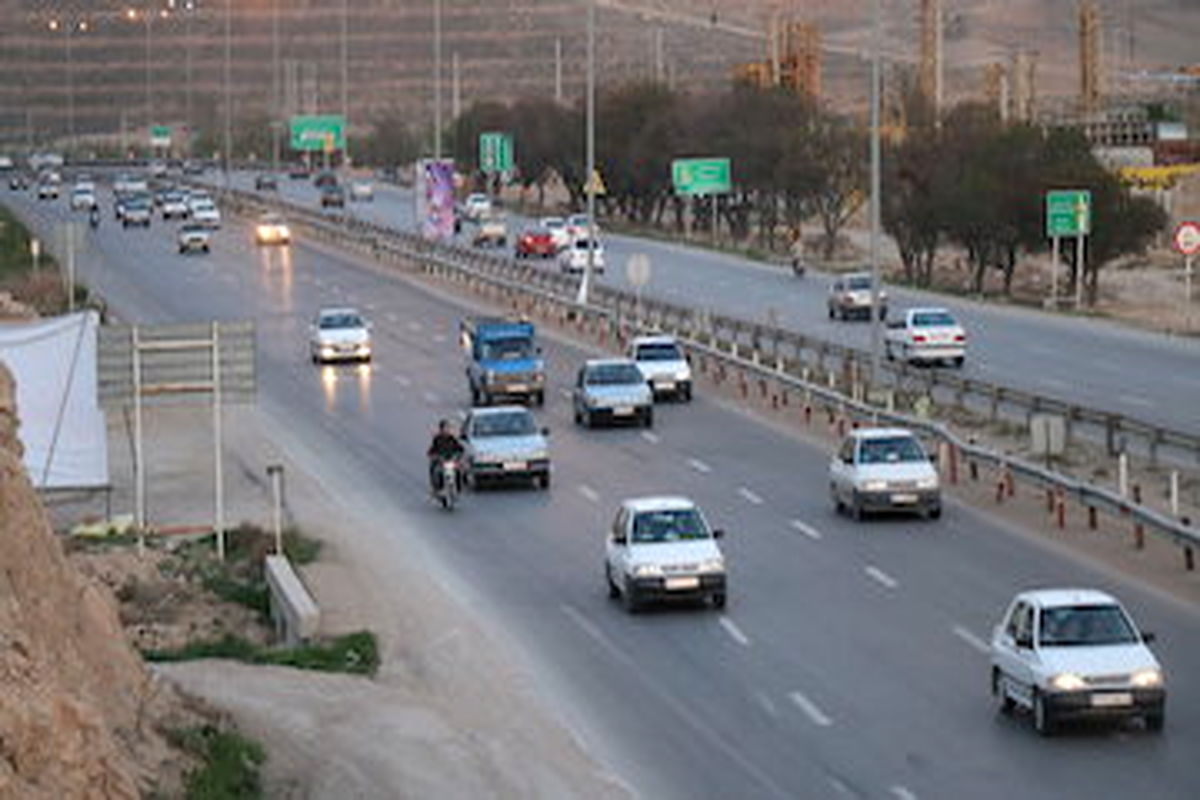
[{"x": 793, "y": 59}]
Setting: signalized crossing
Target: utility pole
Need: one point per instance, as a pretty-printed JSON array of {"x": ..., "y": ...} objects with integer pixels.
[
  {"x": 437, "y": 79},
  {"x": 345, "y": 82},
  {"x": 455, "y": 88},
  {"x": 558, "y": 71},
  {"x": 228, "y": 143},
  {"x": 876, "y": 185},
  {"x": 590, "y": 159},
  {"x": 276, "y": 106},
  {"x": 188, "y": 9}
]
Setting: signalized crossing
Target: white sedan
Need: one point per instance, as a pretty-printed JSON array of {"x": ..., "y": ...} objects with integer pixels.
[
  {"x": 926, "y": 335},
  {"x": 339, "y": 334}
]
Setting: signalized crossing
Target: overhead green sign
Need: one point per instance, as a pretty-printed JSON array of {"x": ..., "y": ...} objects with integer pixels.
[
  {"x": 160, "y": 136},
  {"x": 495, "y": 152},
  {"x": 702, "y": 176},
  {"x": 1068, "y": 213},
  {"x": 317, "y": 133}
]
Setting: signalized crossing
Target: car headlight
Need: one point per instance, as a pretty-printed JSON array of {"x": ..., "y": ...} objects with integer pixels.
[
  {"x": 1067, "y": 682},
  {"x": 539, "y": 455},
  {"x": 927, "y": 483},
  {"x": 712, "y": 565},
  {"x": 1147, "y": 678},
  {"x": 489, "y": 376},
  {"x": 684, "y": 374},
  {"x": 647, "y": 571},
  {"x": 873, "y": 486},
  {"x": 285, "y": 233}
]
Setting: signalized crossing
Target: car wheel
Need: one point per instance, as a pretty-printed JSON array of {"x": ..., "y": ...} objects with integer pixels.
[
  {"x": 540, "y": 399},
  {"x": 588, "y": 422},
  {"x": 182, "y": 250},
  {"x": 934, "y": 513},
  {"x": 958, "y": 362},
  {"x": 1154, "y": 722},
  {"x": 633, "y": 603},
  {"x": 838, "y": 508},
  {"x": 856, "y": 510},
  {"x": 613, "y": 591},
  {"x": 718, "y": 600},
  {"x": 1043, "y": 719},
  {"x": 829, "y": 309},
  {"x": 887, "y": 352},
  {"x": 648, "y": 418},
  {"x": 543, "y": 481},
  {"x": 1006, "y": 702}
]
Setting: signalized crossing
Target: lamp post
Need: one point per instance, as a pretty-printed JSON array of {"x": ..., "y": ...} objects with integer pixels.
[
  {"x": 589, "y": 185},
  {"x": 437, "y": 80},
  {"x": 68, "y": 29},
  {"x": 189, "y": 8},
  {"x": 276, "y": 105},
  {"x": 228, "y": 137},
  {"x": 345, "y": 84},
  {"x": 876, "y": 186}
]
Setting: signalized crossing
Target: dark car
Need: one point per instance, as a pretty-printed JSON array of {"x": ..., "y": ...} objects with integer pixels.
[
  {"x": 324, "y": 179},
  {"x": 265, "y": 183},
  {"x": 333, "y": 196},
  {"x": 298, "y": 172}
]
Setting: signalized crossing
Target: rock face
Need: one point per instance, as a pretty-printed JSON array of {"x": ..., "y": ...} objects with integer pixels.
[{"x": 73, "y": 693}]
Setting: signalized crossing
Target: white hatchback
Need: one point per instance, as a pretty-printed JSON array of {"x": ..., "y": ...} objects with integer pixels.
[
  {"x": 664, "y": 365},
  {"x": 1069, "y": 654},
  {"x": 660, "y": 549},
  {"x": 884, "y": 469}
]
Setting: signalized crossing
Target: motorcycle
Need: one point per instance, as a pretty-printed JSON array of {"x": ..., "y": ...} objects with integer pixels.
[
  {"x": 798, "y": 267},
  {"x": 447, "y": 493},
  {"x": 94, "y": 217}
]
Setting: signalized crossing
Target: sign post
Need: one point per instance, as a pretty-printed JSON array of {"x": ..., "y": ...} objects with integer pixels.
[
  {"x": 1068, "y": 214},
  {"x": 637, "y": 270},
  {"x": 1187, "y": 242},
  {"x": 699, "y": 177}
]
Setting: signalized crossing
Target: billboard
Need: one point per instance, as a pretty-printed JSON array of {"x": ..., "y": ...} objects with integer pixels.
[{"x": 435, "y": 198}]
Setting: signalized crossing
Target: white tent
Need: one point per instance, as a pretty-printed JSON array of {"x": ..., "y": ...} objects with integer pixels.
[{"x": 61, "y": 425}]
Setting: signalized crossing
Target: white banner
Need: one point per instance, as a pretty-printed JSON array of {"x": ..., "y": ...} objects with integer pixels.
[{"x": 61, "y": 425}]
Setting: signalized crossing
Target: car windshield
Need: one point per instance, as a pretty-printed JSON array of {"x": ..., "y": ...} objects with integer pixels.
[
  {"x": 270, "y": 219},
  {"x": 515, "y": 424},
  {"x": 1072, "y": 626},
  {"x": 613, "y": 375},
  {"x": 672, "y": 525},
  {"x": 335, "y": 321},
  {"x": 890, "y": 450},
  {"x": 666, "y": 351},
  {"x": 933, "y": 319},
  {"x": 507, "y": 349},
  {"x": 195, "y": 229},
  {"x": 552, "y": 224},
  {"x": 859, "y": 284}
]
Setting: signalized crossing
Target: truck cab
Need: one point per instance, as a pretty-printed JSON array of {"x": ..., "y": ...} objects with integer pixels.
[{"x": 503, "y": 360}]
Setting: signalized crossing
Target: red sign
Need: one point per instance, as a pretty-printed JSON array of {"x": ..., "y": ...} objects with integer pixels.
[{"x": 1187, "y": 238}]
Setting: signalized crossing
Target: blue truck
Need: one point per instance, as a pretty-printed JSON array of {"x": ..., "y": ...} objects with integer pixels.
[{"x": 503, "y": 360}]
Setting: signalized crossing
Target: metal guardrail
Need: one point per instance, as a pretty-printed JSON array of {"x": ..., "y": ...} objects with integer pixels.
[{"x": 528, "y": 289}]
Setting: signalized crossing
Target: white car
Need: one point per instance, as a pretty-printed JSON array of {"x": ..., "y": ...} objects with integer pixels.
[
  {"x": 663, "y": 365},
  {"x": 204, "y": 212},
  {"x": 47, "y": 190},
  {"x": 557, "y": 228},
  {"x": 193, "y": 238},
  {"x": 82, "y": 199},
  {"x": 361, "y": 191},
  {"x": 884, "y": 469},
  {"x": 926, "y": 335},
  {"x": 339, "y": 334},
  {"x": 851, "y": 296},
  {"x": 128, "y": 184},
  {"x": 577, "y": 227},
  {"x": 271, "y": 229},
  {"x": 574, "y": 257},
  {"x": 503, "y": 443},
  {"x": 174, "y": 206},
  {"x": 476, "y": 206},
  {"x": 660, "y": 549},
  {"x": 612, "y": 390},
  {"x": 1067, "y": 654}
]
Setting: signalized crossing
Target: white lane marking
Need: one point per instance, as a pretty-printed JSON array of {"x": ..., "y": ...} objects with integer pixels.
[
  {"x": 767, "y": 703},
  {"x": 595, "y": 633},
  {"x": 439, "y": 338},
  {"x": 749, "y": 496},
  {"x": 1135, "y": 400},
  {"x": 652, "y": 438},
  {"x": 392, "y": 316},
  {"x": 590, "y": 493},
  {"x": 413, "y": 325},
  {"x": 882, "y": 577},
  {"x": 462, "y": 414},
  {"x": 430, "y": 397},
  {"x": 840, "y": 787},
  {"x": 978, "y": 644},
  {"x": 734, "y": 631},
  {"x": 565, "y": 393},
  {"x": 806, "y": 529},
  {"x": 811, "y": 710},
  {"x": 699, "y": 465},
  {"x": 402, "y": 380},
  {"x": 903, "y": 793}
]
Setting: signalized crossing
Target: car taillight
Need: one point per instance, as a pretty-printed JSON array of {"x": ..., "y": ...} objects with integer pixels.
[
  {"x": 918, "y": 337},
  {"x": 960, "y": 337}
]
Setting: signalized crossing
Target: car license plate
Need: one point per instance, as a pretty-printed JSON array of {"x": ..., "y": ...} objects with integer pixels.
[
  {"x": 682, "y": 583},
  {"x": 623, "y": 411},
  {"x": 905, "y": 499},
  {"x": 664, "y": 386},
  {"x": 518, "y": 387},
  {"x": 1112, "y": 699},
  {"x": 514, "y": 466}
]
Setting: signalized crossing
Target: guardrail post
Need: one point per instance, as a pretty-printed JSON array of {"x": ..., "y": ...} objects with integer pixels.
[
  {"x": 1110, "y": 434},
  {"x": 1001, "y": 484},
  {"x": 953, "y": 450},
  {"x": 1091, "y": 518},
  {"x": 1123, "y": 475},
  {"x": 1139, "y": 530},
  {"x": 1174, "y": 493},
  {"x": 1061, "y": 509},
  {"x": 1189, "y": 559}
]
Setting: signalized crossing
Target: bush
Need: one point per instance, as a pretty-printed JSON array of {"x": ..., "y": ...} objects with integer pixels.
[
  {"x": 354, "y": 653},
  {"x": 230, "y": 764}
]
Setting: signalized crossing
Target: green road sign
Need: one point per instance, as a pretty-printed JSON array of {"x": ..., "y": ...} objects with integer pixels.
[
  {"x": 1068, "y": 213},
  {"x": 495, "y": 152},
  {"x": 160, "y": 136},
  {"x": 701, "y": 176},
  {"x": 326, "y": 132}
]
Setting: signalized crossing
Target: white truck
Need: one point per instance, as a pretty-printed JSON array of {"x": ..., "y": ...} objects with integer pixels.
[{"x": 926, "y": 335}]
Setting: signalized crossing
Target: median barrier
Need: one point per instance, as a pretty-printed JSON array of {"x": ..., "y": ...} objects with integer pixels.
[{"x": 293, "y": 609}]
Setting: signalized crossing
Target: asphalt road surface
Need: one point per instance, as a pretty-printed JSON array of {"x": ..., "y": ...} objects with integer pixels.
[
  {"x": 850, "y": 660},
  {"x": 1090, "y": 362}
]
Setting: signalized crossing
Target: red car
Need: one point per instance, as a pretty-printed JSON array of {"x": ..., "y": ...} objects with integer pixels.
[{"x": 536, "y": 242}]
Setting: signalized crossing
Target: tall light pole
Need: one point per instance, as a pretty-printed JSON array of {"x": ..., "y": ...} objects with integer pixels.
[
  {"x": 188, "y": 8},
  {"x": 437, "y": 80},
  {"x": 589, "y": 185},
  {"x": 228, "y": 138},
  {"x": 276, "y": 105},
  {"x": 68, "y": 29},
  {"x": 876, "y": 184},
  {"x": 345, "y": 84}
]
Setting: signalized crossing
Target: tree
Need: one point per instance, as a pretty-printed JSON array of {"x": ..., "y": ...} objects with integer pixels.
[{"x": 837, "y": 183}]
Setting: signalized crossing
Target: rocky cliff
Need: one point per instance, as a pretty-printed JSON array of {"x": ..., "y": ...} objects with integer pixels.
[{"x": 78, "y": 708}]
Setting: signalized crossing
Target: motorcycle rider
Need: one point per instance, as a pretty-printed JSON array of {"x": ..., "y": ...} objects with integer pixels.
[
  {"x": 444, "y": 447},
  {"x": 94, "y": 216}
]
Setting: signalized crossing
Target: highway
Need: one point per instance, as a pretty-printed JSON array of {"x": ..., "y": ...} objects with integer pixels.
[
  {"x": 1091, "y": 362},
  {"x": 849, "y": 662}
]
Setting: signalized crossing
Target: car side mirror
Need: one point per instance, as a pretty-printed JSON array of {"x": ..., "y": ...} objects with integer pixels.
[
  {"x": 1148, "y": 637},
  {"x": 1024, "y": 642},
  {"x": 687, "y": 357},
  {"x": 545, "y": 431},
  {"x": 621, "y": 540},
  {"x": 718, "y": 533}
]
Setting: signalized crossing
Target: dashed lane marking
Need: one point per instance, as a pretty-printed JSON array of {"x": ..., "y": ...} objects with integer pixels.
[
  {"x": 811, "y": 710},
  {"x": 699, "y": 466},
  {"x": 881, "y": 577},
  {"x": 806, "y": 529},
  {"x": 749, "y": 496},
  {"x": 734, "y": 631},
  {"x": 590, "y": 493},
  {"x": 979, "y": 645},
  {"x": 652, "y": 438}
]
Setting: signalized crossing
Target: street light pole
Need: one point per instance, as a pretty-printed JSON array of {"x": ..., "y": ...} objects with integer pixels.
[
  {"x": 228, "y": 138},
  {"x": 149, "y": 98},
  {"x": 590, "y": 159},
  {"x": 437, "y": 80},
  {"x": 345, "y": 84},
  {"x": 188, "y": 8},
  {"x": 876, "y": 187},
  {"x": 276, "y": 105}
]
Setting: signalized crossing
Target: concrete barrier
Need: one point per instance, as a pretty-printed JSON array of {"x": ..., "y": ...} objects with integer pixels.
[{"x": 293, "y": 609}]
